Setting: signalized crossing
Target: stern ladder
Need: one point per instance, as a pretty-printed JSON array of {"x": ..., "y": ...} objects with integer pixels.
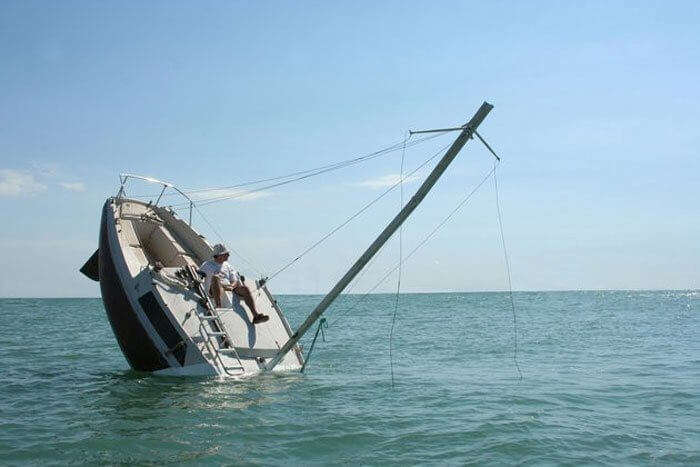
[{"x": 216, "y": 337}]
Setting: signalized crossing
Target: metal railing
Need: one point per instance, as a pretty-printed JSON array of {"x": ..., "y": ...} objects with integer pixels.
[
  {"x": 124, "y": 177},
  {"x": 210, "y": 336}
]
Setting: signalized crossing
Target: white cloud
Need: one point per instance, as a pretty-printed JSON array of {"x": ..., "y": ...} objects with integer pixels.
[
  {"x": 74, "y": 186},
  {"x": 231, "y": 193},
  {"x": 386, "y": 181},
  {"x": 19, "y": 183},
  {"x": 45, "y": 169}
]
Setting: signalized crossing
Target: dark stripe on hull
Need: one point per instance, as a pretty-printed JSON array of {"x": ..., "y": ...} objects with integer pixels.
[
  {"x": 133, "y": 339},
  {"x": 164, "y": 326}
]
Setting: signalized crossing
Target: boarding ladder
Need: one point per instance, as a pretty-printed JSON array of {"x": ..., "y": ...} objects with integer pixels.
[{"x": 212, "y": 327}]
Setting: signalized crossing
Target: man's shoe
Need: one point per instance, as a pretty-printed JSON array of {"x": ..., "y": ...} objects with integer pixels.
[{"x": 260, "y": 318}]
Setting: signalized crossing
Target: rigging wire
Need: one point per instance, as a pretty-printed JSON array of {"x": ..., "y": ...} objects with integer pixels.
[
  {"x": 356, "y": 214},
  {"x": 341, "y": 164},
  {"x": 321, "y": 324},
  {"x": 221, "y": 239},
  {"x": 302, "y": 175},
  {"x": 432, "y": 233},
  {"x": 508, "y": 275},
  {"x": 398, "y": 280},
  {"x": 463, "y": 202}
]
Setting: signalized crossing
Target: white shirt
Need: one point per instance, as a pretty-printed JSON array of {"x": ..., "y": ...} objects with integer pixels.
[{"x": 225, "y": 272}]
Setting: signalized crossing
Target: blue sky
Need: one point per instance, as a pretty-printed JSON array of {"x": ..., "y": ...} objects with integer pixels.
[{"x": 596, "y": 116}]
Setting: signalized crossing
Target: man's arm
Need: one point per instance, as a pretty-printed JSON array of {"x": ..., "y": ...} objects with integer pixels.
[{"x": 233, "y": 278}]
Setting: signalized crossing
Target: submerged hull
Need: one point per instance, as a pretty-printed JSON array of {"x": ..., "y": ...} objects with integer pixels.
[{"x": 164, "y": 325}]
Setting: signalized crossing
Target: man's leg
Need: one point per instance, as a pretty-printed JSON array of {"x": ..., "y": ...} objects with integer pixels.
[
  {"x": 215, "y": 291},
  {"x": 243, "y": 291}
]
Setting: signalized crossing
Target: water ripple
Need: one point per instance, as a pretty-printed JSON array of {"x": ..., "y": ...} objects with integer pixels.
[{"x": 610, "y": 378}]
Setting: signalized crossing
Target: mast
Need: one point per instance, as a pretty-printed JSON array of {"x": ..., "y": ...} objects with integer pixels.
[{"x": 449, "y": 156}]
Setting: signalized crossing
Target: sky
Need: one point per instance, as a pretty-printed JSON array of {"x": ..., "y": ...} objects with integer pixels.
[{"x": 595, "y": 116}]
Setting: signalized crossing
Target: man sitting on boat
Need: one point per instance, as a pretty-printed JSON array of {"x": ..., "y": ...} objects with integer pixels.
[{"x": 221, "y": 275}]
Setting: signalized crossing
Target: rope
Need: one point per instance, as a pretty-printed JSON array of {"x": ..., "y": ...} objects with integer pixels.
[
  {"x": 356, "y": 214},
  {"x": 320, "y": 327},
  {"x": 508, "y": 276},
  {"x": 398, "y": 281}
]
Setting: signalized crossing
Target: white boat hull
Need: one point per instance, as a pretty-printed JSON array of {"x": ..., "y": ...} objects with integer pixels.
[{"x": 160, "y": 320}]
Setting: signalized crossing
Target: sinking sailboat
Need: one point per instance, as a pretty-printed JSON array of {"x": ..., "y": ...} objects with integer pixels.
[
  {"x": 165, "y": 323},
  {"x": 153, "y": 292}
]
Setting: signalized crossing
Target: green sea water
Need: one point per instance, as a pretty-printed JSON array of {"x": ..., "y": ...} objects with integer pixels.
[{"x": 607, "y": 378}]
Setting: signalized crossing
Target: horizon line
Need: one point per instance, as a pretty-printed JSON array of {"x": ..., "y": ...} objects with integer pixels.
[{"x": 415, "y": 293}]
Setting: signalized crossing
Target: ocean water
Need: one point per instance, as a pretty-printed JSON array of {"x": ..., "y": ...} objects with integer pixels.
[{"x": 607, "y": 378}]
